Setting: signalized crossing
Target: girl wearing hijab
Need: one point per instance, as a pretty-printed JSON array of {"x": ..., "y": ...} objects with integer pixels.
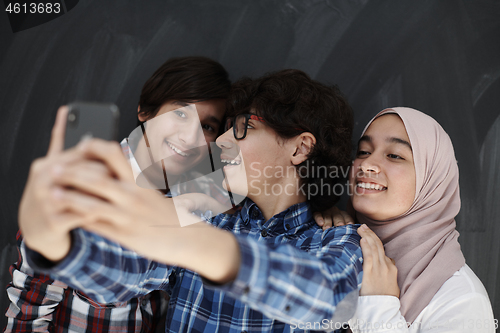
[{"x": 405, "y": 189}]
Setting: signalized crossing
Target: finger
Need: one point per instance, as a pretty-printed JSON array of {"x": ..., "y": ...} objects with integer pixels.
[
  {"x": 57, "y": 137},
  {"x": 338, "y": 218},
  {"x": 390, "y": 261},
  {"x": 367, "y": 254},
  {"x": 44, "y": 170},
  {"x": 111, "y": 154},
  {"x": 92, "y": 180},
  {"x": 368, "y": 236},
  {"x": 104, "y": 229},
  {"x": 69, "y": 220},
  {"x": 347, "y": 218},
  {"x": 328, "y": 221},
  {"x": 375, "y": 243},
  {"x": 87, "y": 206},
  {"x": 318, "y": 217}
]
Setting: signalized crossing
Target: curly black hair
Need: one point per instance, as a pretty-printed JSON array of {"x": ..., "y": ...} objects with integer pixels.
[{"x": 290, "y": 103}]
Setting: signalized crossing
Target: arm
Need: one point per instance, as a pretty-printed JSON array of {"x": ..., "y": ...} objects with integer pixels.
[
  {"x": 104, "y": 270},
  {"x": 293, "y": 286},
  {"x": 265, "y": 281},
  {"x": 34, "y": 298},
  {"x": 456, "y": 307}
]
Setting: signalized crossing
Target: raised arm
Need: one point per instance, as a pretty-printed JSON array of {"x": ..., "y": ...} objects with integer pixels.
[{"x": 295, "y": 286}]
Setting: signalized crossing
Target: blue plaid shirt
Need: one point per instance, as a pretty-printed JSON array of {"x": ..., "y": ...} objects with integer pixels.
[{"x": 293, "y": 275}]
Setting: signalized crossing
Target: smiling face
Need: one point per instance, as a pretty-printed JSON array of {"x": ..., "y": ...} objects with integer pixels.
[
  {"x": 179, "y": 134},
  {"x": 383, "y": 176},
  {"x": 252, "y": 162}
]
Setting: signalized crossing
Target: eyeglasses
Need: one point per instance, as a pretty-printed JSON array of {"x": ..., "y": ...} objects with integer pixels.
[{"x": 240, "y": 124}]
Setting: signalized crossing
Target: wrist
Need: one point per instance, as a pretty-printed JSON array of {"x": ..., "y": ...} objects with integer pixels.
[{"x": 54, "y": 250}]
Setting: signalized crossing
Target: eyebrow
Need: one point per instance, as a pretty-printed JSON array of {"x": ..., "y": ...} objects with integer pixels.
[
  {"x": 214, "y": 120},
  {"x": 368, "y": 138}
]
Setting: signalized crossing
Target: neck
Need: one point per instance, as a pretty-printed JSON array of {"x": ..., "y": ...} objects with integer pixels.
[{"x": 271, "y": 203}]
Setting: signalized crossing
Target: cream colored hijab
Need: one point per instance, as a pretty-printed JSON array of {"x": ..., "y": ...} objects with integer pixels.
[{"x": 423, "y": 241}]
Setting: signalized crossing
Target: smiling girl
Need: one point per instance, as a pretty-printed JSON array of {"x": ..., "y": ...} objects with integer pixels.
[{"x": 405, "y": 189}]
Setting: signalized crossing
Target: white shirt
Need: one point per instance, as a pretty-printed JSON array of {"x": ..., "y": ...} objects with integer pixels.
[{"x": 460, "y": 305}]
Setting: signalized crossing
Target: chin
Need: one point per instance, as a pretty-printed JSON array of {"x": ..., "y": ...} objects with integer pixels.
[
  {"x": 365, "y": 210},
  {"x": 235, "y": 187}
]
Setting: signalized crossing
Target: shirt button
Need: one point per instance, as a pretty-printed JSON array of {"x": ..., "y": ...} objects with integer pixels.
[
  {"x": 246, "y": 290},
  {"x": 172, "y": 279},
  {"x": 255, "y": 214},
  {"x": 263, "y": 233},
  {"x": 144, "y": 302},
  {"x": 287, "y": 226},
  {"x": 287, "y": 308}
]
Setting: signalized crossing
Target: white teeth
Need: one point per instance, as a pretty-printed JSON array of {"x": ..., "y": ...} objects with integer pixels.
[
  {"x": 177, "y": 150},
  {"x": 232, "y": 162},
  {"x": 371, "y": 186}
]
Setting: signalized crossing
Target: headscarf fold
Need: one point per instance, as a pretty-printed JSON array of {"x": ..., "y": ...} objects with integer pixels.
[{"x": 423, "y": 241}]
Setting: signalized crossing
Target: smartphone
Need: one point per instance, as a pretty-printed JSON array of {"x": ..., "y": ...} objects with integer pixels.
[{"x": 91, "y": 120}]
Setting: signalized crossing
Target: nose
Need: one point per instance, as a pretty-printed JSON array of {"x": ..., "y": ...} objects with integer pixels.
[
  {"x": 369, "y": 164},
  {"x": 226, "y": 140},
  {"x": 191, "y": 135}
]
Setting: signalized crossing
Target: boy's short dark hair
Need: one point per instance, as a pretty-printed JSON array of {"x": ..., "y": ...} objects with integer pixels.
[
  {"x": 184, "y": 79},
  {"x": 290, "y": 103}
]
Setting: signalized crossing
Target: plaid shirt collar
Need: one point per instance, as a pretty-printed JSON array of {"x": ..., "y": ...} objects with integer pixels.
[{"x": 292, "y": 219}]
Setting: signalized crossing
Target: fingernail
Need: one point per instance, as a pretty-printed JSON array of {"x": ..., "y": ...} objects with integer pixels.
[
  {"x": 364, "y": 226},
  {"x": 321, "y": 222}
]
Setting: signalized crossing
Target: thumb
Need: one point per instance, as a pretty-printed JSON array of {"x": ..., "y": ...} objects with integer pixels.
[{"x": 57, "y": 136}]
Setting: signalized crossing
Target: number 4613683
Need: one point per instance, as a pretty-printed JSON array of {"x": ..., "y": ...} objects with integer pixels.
[{"x": 33, "y": 8}]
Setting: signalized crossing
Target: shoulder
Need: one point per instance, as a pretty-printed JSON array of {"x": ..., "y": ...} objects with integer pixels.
[
  {"x": 462, "y": 283},
  {"x": 343, "y": 235},
  {"x": 340, "y": 242},
  {"x": 460, "y": 299}
]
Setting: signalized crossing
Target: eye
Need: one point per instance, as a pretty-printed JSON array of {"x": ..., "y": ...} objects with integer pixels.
[
  {"x": 180, "y": 114},
  {"x": 362, "y": 153},
  {"x": 394, "y": 156},
  {"x": 208, "y": 128}
]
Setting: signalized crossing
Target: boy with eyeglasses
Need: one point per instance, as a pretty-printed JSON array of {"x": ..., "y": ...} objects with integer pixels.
[{"x": 265, "y": 268}]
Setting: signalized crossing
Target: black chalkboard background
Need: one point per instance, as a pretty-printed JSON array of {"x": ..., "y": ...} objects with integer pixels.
[{"x": 441, "y": 57}]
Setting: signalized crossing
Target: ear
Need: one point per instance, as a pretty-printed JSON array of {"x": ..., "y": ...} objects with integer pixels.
[
  {"x": 141, "y": 116},
  {"x": 302, "y": 145}
]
